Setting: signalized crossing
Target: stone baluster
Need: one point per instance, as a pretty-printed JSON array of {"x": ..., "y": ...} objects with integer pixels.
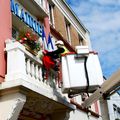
[
  {"x": 28, "y": 66},
  {"x": 40, "y": 73},
  {"x": 32, "y": 69},
  {"x": 36, "y": 72}
]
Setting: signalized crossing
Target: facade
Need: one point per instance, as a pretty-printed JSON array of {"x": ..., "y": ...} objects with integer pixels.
[
  {"x": 25, "y": 95},
  {"x": 114, "y": 107}
]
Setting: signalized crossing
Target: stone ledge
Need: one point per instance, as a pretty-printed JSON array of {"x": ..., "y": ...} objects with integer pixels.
[{"x": 32, "y": 90}]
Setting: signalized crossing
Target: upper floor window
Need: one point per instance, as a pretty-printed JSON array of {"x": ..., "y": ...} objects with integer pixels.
[
  {"x": 51, "y": 15},
  {"x": 82, "y": 42},
  {"x": 116, "y": 111},
  {"x": 68, "y": 31},
  {"x": 14, "y": 33}
]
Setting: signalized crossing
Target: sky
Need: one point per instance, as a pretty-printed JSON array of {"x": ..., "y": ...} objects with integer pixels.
[{"x": 102, "y": 19}]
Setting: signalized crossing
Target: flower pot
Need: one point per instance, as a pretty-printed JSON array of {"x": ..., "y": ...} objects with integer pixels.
[{"x": 32, "y": 51}]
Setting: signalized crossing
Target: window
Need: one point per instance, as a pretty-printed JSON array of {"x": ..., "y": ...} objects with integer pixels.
[
  {"x": 68, "y": 31},
  {"x": 51, "y": 15},
  {"x": 14, "y": 33},
  {"x": 116, "y": 111},
  {"x": 82, "y": 42}
]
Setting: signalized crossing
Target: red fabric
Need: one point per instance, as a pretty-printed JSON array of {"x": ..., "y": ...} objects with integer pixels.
[{"x": 48, "y": 62}]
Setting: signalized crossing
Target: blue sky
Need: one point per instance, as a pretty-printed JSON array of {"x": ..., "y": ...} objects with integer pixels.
[{"x": 102, "y": 19}]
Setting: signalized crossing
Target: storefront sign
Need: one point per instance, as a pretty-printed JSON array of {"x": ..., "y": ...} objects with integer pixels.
[{"x": 20, "y": 12}]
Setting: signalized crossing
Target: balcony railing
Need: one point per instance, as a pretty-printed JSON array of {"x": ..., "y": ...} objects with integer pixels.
[
  {"x": 24, "y": 74},
  {"x": 22, "y": 64}
]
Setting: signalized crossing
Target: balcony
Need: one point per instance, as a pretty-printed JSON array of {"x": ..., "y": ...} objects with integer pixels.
[
  {"x": 24, "y": 74},
  {"x": 36, "y": 7}
]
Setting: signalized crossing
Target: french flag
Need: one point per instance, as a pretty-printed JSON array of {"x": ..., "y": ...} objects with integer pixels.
[
  {"x": 44, "y": 42},
  {"x": 47, "y": 44},
  {"x": 50, "y": 44}
]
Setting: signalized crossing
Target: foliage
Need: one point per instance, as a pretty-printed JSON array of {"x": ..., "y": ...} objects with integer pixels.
[{"x": 31, "y": 39}]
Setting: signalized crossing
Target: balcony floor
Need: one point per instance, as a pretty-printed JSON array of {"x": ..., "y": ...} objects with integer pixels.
[{"x": 39, "y": 99}]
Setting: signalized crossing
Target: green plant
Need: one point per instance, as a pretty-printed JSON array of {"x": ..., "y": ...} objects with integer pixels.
[{"x": 30, "y": 39}]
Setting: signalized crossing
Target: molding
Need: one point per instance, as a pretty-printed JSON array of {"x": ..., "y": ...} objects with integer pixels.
[
  {"x": 36, "y": 8},
  {"x": 72, "y": 18},
  {"x": 29, "y": 89}
]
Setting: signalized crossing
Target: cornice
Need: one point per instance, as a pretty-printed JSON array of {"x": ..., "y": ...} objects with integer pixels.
[{"x": 71, "y": 17}]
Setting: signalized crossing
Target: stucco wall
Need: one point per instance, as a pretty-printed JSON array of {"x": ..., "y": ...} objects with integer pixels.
[
  {"x": 79, "y": 115},
  {"x": 60, "y": 22},
  {"x": 74, "y": 36},
  {"x": 5, "y": 33}
]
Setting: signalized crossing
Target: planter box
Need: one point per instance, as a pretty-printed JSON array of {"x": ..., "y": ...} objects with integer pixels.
[{"x": 34, "y": 52}]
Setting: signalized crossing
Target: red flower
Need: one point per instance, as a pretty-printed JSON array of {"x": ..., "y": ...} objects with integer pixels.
[
  {"x": 30, "y": 39},
  {"x": 24, "y": 38},
  {"x": 27, "y": 34}
]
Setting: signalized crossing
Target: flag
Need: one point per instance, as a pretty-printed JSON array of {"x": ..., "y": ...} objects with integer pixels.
[
  {"x": 50, "y": 44},
  {"x": 44, "y": 42},
  {"x": 47, "y": 43}
]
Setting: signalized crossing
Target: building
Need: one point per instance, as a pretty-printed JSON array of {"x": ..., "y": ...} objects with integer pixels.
[
  {"x": 114, "y": 107},
  {"x": 24, "y": 93},
  {"x": 111, "y": 107}
]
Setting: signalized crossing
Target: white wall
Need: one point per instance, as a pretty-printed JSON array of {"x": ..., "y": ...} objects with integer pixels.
[
  {"x": 114, "y": 99},
  {"x": 80, "y": 115}
]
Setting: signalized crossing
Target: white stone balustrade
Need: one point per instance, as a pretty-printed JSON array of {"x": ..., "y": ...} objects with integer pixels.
[
  {"x": 24, "y": 76},
  {"x": 23, "y": 65}
]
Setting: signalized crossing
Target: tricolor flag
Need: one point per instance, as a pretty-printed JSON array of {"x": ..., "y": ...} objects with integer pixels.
[
  {"x": 50, "y": 44},
  {"x": 47, "y": 44},
  {"x": 44, "y": 42}
]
